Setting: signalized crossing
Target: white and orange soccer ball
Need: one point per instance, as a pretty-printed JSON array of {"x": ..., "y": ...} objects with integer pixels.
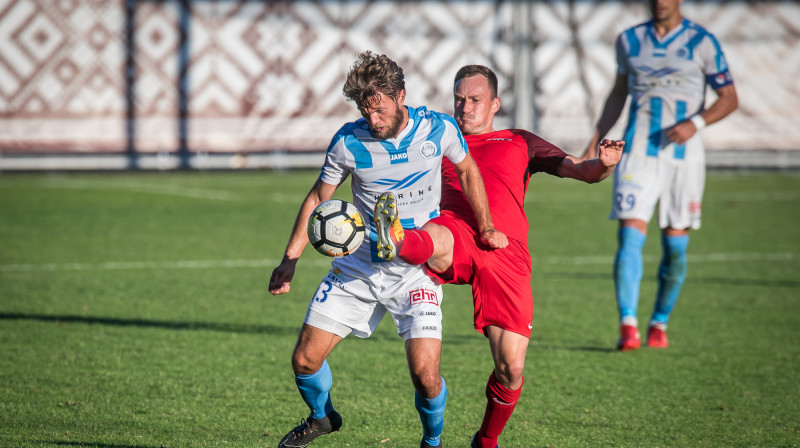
[{"x": 335, "y": 228}]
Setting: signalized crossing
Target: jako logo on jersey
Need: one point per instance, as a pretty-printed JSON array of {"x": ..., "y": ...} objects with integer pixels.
[
  {"x": 395, "y": 184},
  {"x": 419, "y": 296},
  {"x": 401, "y": 156}
]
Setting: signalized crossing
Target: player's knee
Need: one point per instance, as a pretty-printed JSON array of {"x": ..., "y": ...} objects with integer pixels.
[
  {"x": 442, "y": 239},
  {"x": 509, "y": 374},
  {"x": 303, "y": 364},
  {"x": 427, "y": 382}
]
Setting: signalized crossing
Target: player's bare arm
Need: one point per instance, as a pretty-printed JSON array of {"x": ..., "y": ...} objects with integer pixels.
[
  {"x": 279, "y": 282},
  {"x": 591, "y": 171},
  {"x": 472, "y": 184},
  {"x": 727, "y": 101},
  {"x": 612, "y": 109}
]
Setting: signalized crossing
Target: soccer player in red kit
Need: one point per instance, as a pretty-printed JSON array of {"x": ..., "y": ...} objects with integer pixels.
[{"x": 455, "y": 251}]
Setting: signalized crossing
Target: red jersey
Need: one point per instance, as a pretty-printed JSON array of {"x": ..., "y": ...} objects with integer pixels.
[{"x": 506, "y": 160}]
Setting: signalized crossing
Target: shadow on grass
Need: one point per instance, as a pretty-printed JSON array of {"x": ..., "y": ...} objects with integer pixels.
[
  {"x": 292, "y": 330},
  {"x": 211, "y": 326}
]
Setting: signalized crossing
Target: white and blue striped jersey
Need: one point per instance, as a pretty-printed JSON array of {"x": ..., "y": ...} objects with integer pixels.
[
  {"x": 409, "y": 166},
  {"x": 667, "y": 80}
]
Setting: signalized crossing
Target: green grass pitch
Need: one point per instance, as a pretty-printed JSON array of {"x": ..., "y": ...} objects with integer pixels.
[{"x": 134, "y": 314}]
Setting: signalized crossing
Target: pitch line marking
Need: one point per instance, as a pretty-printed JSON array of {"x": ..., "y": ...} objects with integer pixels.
[
  {"x": 265, "y": 263},
  {"x": 733, "y": 196},
  {"x": 696, "y": 258}
]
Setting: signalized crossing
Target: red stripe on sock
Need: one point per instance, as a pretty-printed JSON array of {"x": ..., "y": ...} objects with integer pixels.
[{"x": 417, "y": 247}]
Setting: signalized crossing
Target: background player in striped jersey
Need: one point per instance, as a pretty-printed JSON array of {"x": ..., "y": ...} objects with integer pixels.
[
  {"x": 500, "y": 279},
  {"x": 393, "y": 148},
  {"x": 664, "y": 65}
]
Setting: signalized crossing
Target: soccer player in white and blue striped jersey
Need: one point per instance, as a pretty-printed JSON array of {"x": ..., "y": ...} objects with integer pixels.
[
  {"x": 665, "y": 66},
  {"x": 397, "y": 149}
]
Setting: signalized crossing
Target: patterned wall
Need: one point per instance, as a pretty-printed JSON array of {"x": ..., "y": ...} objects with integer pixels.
[{"x": 206, "y": 76}]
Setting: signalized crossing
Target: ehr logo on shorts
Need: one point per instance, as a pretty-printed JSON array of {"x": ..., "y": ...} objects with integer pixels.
[{"x": 424, "y": 296}]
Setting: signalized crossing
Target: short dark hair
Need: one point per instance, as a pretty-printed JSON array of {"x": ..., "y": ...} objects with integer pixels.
[
  {"x": 370, "y": 75},
  {"x": 478, "y": 70}
]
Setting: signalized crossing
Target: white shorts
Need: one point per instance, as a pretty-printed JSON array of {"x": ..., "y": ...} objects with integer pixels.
[
  {"x": 641, "y": 182},
  {"x": 345, "y": 304}
]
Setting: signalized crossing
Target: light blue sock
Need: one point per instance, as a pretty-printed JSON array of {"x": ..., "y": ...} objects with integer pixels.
[
  {"x": 628, "y": 270},
  {"x": 431, "y": 413},
  {"x": 315, "y": 390},
  {"x": 671, "y": 274}
]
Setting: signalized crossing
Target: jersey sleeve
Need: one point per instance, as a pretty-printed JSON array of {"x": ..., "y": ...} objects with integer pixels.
[
  {"x": 334, "y": 170},
  {"x": 454, "y": 147},
  {"x": 543, "y": 156},
  {"x": 714, "y": 64}
]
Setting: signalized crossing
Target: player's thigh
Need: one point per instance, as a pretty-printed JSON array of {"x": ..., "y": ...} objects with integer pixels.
[
  {"x": 335, "y": 307},
  {"x": 424, "y": 355},
  {"x": 637, "y": 187},
  {"x": 680, "y": 206}
]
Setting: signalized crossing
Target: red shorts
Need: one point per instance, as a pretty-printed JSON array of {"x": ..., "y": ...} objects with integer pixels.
[{"x": 500, "y": 278}]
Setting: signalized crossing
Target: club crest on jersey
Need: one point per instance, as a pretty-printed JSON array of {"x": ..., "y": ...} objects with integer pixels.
[
  {"x": 428, "y": 150},
  {"x": 420, "y": 296}
]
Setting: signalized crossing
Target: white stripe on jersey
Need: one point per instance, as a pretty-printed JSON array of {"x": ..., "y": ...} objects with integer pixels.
[
  {"x": 409, "y": 166},
  {"x": 667, "y": 81}
]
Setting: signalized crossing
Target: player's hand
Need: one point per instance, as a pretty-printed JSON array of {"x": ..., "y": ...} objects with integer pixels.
[
  {"x": 279, "y": 282},
  {"x": 494, "y": 238},
  {"x": 681, "y": 132},
  {"x": 610, "y": 151}
]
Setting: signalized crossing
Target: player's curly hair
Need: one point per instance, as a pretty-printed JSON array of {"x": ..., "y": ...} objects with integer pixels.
[
  {"x": 477, "y": 70},
  {"x": 370, "y": 75}
]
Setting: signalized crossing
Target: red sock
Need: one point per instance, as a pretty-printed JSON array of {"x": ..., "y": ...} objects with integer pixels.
[
  {"x": 500, "y": 404},
  {"x": 417, "y": 247}
]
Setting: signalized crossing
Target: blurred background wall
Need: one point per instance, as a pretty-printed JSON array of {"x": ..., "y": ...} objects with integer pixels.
[{"x": 205, "y": 84}]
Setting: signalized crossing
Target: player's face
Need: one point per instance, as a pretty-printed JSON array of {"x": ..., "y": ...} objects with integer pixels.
[
  {"x": 386, "y": 117},
  {"x": 474, "y": 105},
  {"x": 665, "y": 10}
]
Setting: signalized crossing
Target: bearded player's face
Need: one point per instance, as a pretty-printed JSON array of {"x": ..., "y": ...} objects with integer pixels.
[{"x": 384, "y": 116}]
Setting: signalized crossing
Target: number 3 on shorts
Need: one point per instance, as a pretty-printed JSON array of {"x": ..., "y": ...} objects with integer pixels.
[
  {"x": 324, "y": 292},
  {"x": 624, "y": 202}
]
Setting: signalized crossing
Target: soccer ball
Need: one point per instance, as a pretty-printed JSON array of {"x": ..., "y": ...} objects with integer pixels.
[{"x": 335, "y": 228}]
